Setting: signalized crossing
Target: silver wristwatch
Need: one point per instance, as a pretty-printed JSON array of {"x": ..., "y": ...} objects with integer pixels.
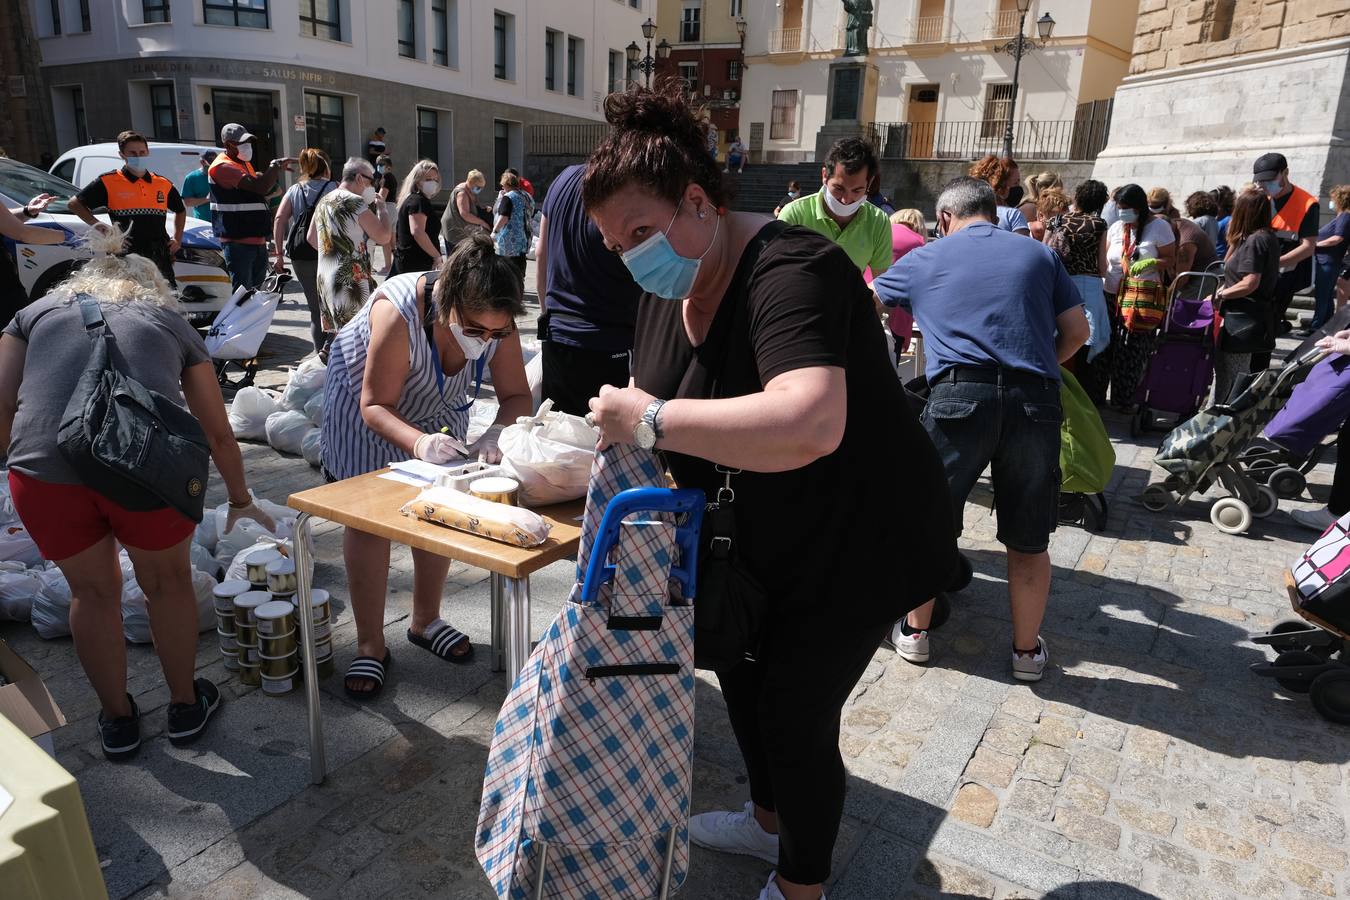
[{"x": 648, "y": 430}]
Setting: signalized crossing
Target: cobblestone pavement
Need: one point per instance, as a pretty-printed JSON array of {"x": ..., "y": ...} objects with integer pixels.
[{"x": 1148, "y": 763}]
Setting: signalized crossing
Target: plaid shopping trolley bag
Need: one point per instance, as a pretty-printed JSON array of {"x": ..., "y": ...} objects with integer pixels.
[{"x": 586, "y": 792}]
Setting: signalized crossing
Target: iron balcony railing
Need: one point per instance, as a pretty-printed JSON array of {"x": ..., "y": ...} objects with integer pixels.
[
  {"x": 785, "y": 40},
  {"x": 1069, "y": 139},
  {"x": 565, "y": 140},
  {"x": 1004, "y": 24},
  {"x": 929, "y": 30}
]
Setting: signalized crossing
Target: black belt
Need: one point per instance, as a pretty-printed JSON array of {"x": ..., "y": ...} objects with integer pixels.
[{"x": 989, "y": 375}]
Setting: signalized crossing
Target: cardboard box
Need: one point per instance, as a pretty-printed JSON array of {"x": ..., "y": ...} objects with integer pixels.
[{"x": 25, "y": 700}]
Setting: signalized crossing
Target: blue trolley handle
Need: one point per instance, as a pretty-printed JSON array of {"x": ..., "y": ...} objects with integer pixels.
[{"x": 648, "y": 499}]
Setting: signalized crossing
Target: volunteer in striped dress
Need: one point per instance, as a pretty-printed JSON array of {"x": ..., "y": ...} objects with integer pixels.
[{"x": 402, "y": 377}]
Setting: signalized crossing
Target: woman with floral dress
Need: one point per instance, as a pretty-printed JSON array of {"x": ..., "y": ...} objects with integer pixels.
[
  {"x": 510, "y": 232},
  {"x": 345, "y": 219}
]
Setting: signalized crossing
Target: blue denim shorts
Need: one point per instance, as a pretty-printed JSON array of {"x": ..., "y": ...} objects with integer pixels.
[{"x": 1012, "y": 427}]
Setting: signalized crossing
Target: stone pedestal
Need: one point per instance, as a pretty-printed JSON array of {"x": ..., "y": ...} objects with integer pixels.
[{"x": 850, "y": 101}]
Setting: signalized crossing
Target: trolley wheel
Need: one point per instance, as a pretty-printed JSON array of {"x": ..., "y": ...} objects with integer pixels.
[
  {"x": 1266, "y": 502},
  {"x": 1175, "y": 483},
  {"x": 1299, "y": 682},
  {"x": 1287, "y": 482},
  {"x": 1230, "y": 515},
  {"x": 1156, "y": 498},
  {"x": 1330, "y": 695},
  {"x": 1323, "y": 649}
]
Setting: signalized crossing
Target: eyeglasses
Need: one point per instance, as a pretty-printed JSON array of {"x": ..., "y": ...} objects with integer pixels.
[{"x": 476, "y": 331}]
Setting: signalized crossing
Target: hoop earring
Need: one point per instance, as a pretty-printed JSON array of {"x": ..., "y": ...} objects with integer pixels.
[{"x": 703, "y": 214}]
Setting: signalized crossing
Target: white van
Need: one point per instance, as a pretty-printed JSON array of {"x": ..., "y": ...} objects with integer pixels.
[{"x": 81, "y": 165}]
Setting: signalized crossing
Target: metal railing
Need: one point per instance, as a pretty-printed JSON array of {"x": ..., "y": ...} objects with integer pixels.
[
  {"x": 785, "y": 40},
  {"x": 565, "y": 140},
  {"x": 1004, "y": 24},
  {"x": 929, "y": 30},
  {"x": 1070, "y": 139}
]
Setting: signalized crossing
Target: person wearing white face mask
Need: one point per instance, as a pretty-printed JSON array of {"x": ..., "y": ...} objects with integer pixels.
[
  {"x": 418, "y": 229},
  {"x": 344, "y": 221},
  {"x": 840, "y": 211},
  {"x": 239, "y": 207},
  {"x": 138, "y": 201},
  {"x": 405, "y": 372}
]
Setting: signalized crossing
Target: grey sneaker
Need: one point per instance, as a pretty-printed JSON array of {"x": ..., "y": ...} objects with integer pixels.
[
  {"x": 1318, "y": 520},
  {"x": 771, "y": 891},
  {"x": 912, "y": 645},
  {"x": 734, "y": 832},
  {"x": 1030, "y": 668}
]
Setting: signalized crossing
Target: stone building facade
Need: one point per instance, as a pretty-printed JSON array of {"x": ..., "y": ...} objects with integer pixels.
[
  {"x": 25, "y": 118},
  {"x": 1216, "y": 83}
]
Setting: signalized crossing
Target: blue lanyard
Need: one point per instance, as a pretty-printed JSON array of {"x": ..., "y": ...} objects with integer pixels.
[{"x": 440, "y": 378}]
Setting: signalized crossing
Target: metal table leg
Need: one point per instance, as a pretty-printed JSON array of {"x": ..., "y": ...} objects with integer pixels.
[
  {"x": 304, "y": 561},
  {"x": 497, "y": 592},
  {"x": 517, "y": 602}
]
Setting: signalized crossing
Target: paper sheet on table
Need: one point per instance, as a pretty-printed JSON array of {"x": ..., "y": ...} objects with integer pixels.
[
  {"x": 422, "y": 473},
  {"x": 402, "y": 478}
]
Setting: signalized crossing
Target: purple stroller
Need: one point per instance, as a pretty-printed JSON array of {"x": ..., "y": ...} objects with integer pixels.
[{"x": 1179, "y": 372}]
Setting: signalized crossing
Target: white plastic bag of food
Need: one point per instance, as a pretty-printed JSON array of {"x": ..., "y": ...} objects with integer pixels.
[
  {"x": 17, "y": 545},
  {"x": 248, "y": 532},
  {"x": 51, "y": 606},
  {"x": 206, "y": 534},
  {"x": 238, "y": 570},
  {"x": 249, "y": 411},
  {"x": 550, "y": 455},
  {"x": 203, "y": 560},
  {"x": 306, "y": 380},
  {"x": 311, "y": 447},
  {"x": 286, "y": 430},
  {"x": 136, "y": 612},
  {"x": 18, "y": 587},
  {"x": 314, "y": 409}
]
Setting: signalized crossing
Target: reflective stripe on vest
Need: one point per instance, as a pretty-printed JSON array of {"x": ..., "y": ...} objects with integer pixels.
[
  {"x": 136, "y": 197},
  {"x": 238, "y": 213},
  {"x": 1289, "y": 219}
]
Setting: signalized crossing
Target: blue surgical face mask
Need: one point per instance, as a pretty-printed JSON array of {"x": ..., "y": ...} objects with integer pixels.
[
  {"x": 478, "y": 189},
  {"x": 1272, "y": 188},
  {"x": 1129, "y": 216},
  {"x": 137, "y": 164},
  {"x": 659, "y": 270}
]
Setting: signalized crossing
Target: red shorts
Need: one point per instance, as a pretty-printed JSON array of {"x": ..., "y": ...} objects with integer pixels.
[{"x": 66, "y": 519}]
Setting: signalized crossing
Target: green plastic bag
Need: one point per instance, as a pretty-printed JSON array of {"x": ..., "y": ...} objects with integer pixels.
[{"x": 1086, "y": 456}]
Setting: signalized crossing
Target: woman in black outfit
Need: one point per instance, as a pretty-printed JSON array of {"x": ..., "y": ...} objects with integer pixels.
[
  {"x": 417, "y": 234},
  {"x": 778, "y": 325},
  {"x": 1247, "y": 298}
]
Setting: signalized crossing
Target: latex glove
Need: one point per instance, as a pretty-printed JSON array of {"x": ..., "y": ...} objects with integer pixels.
[
  {"x": 438, "y": 449},
  {"x": 1143, "y": 266},
  {"x": 251, "y": 511},
  {"x": 1336, "y": 343},
  {"x": 486, "y": 448}
]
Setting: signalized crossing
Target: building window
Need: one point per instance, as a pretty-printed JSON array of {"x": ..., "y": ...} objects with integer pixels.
[
  {"x": 734, "y": 69},
  {"x": 501, "y": 145},
  {"x": 326, "y": 125},
  {"x": 84, "y": 16},
  {"x": 321, "y": 18},
  {"x": 407, "y": 29},
  {"x": 574, "y": 65},
  {"x": 550, "y": 59},
  {"x": 689, "y": 75},
  {"x": 240, "y": 13},
  {"x": 616, "y": 63},
  {"x": 503, "y": 46},
  {"x": 689, "y": 25},
  {"x": 636, "y": 4},
  {"x": 783, "y": 116},
  {"x": 998, "y": 100},
  {"x": 736, "y": 8},
  {"x": 163, "y": 112},
  {"x": 155, "y": 11},
  {"x": 77, "y": 107},
  {"x": 440, "y": 33},
  {"x": 428, "y": 135},
  {"x": 56, "y": 20}
]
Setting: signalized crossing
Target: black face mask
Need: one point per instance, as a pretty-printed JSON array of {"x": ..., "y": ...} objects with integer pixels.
[{"x": 1014, "y": 195}]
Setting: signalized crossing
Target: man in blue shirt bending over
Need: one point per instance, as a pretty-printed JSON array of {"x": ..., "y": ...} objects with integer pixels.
[{"x": 998, "y": 314}]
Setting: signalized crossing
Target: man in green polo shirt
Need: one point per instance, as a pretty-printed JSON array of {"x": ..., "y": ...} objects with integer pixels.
[{"x": 840, "y": 211}]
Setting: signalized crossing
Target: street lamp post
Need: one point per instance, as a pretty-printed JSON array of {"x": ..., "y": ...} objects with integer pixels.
[
  {"x": 647, "y": 64},
  {"x": 1019, "y": 47}
]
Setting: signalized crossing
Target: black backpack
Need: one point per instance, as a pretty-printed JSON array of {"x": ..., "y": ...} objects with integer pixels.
[
  {"x": 134, "y": 446},
  {"x": 297, "y": 238}
]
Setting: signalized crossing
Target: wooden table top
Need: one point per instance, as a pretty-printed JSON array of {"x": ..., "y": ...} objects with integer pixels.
[{"x": 371, "y": 504}]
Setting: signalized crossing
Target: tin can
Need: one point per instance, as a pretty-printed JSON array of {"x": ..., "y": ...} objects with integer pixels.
[
  {"x": 278, "y": 666},
  {"x": 274, "y": 618},
  {"x": 256, "y": 563},
  {"x": 323, "y": 631},
  {"x": 225, "y": 623},
  {"x": 224, "y": 593},
  {"x": 275, "y": 687},
  {"x": 227, "y": 642},
  {"x": 231, "y": 658},
  {"x": 250, "y": 675},
  {"x": 245, "y": 604},
  {"x": 276, "y": 646},
  {"x": 248, "y": 655},
  {"x": 498, "y": 489},
  {"x": 281, "y": 577},
  {"x": 319, "y": 604}
]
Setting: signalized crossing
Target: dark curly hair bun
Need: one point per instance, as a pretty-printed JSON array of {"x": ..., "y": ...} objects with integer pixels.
[{"x": 657, "y": 141}]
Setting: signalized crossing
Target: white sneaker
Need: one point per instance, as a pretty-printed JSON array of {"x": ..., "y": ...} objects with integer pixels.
[
  {"x": 1318, "y": 520},
  {"x": 912, "y": 647},
  {"x": 734, "y": 832},
  {"x": 1030, "y": 668},
  {"x": 771, "y": 891}
]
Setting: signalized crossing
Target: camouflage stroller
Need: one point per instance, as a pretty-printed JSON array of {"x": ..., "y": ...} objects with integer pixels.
[{"x": 1207, "y": 449}]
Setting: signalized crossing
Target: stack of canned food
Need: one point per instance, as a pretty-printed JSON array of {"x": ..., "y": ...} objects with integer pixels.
[{"x": 227, "y": 630}]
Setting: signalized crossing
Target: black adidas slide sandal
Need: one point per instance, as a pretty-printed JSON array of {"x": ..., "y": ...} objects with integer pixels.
[
  {"x": 371, "y": 669},
  {"x": 443, "y": 642}
]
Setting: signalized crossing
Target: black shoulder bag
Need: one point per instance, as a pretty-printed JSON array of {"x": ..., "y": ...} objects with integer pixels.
[
  {"x": 134, "y": 446},
  {"x": 732, "y": 604},
  {"x": 297, "y": 239}
]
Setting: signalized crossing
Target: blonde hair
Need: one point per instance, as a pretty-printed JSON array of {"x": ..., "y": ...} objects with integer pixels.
[
  {"x": 510, "y": 182},
  {"x": 413, "y": 180},
  {"x": 912, "y": 218},
  {"x": 1035, "y": 184},
  {"x": 1051, "y": 203},
  {"x": 475, "y": 177},
  {"x": 110, "y": 278}
]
